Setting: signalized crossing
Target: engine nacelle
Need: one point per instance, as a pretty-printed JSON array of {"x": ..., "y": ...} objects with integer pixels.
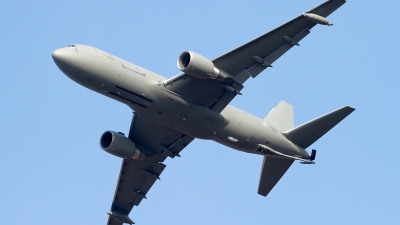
[
  {"x": 119, "y": 145},
  {"x": 198, "y": 66}
]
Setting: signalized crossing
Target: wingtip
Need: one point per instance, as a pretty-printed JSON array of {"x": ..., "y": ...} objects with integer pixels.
[{"x": 262, "y": 194}]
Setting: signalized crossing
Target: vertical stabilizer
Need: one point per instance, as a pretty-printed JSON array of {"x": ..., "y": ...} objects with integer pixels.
[{"x": 281, "y": 117}]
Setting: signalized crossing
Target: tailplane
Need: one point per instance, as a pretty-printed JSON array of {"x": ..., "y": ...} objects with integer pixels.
[
  {"x": 271, "y": 172},
  {"x": 306, "y": 134},
  {"x": 281, "y": 118}
]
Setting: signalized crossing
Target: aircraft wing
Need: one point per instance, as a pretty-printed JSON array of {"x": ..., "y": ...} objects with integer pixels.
[
  {"x": 247, "y": 60},
  {"x": 137, "y": 177}
]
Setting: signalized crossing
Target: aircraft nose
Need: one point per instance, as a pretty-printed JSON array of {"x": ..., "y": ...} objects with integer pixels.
[
  {"x": 59, "y": 56},
  {"x": 63, "y": 58}
]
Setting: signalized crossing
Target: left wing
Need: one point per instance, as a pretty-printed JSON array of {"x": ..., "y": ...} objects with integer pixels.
[
  {"x": 137, "y": 177},
  {"x": 247, "y": 60}
]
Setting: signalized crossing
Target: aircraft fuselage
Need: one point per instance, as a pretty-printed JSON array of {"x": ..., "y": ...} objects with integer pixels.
[{"x": 144, "y": 92}]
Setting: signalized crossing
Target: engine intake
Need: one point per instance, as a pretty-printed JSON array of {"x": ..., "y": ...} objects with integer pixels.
[
  {"x": 119, "y": 145},
  {"x": 198, "y": 66}
]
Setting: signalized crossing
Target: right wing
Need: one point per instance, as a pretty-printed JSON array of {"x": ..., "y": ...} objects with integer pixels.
[
  {"x": 241, "y": 62},
  {"x": 136, "y": 177}
]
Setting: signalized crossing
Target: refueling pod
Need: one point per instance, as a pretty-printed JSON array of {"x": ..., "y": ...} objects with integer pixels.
[
  {"x": 119, "y": 145},
  {"x": 123, "y": 218},
  {"x": 317, "y": 19},
  {"x": 198, "y": 66}
]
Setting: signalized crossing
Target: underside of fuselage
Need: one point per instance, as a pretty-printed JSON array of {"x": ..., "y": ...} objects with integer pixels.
[{"x": 143, "y": 91}]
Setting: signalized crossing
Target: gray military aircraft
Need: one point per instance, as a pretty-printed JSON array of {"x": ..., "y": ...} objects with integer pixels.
[{"x": 170, "y": 113}]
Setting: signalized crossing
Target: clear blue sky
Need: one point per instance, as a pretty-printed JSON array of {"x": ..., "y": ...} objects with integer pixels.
[{"x": 53, "y": 171}]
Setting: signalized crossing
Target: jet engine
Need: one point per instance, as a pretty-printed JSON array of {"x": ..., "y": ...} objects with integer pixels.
[
  {"x": 198, "y": 66},
  {"x": 119, "y": 145}
]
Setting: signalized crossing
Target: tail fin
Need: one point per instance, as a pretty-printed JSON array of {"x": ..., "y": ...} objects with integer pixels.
[
  {"x": 306, "y": 134},
  {"x": 281, "y": 117}
]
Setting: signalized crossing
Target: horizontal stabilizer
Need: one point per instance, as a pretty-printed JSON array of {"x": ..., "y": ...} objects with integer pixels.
[
  {"x": 306, "y": 134},
  {"x": 272, "y": 171},
  {"x": 281, "y": 117}
]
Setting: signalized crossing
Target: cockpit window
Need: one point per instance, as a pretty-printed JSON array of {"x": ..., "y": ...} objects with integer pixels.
[
  {"x": 69, "y": 46},
  {"x": 95, "y": 51}
]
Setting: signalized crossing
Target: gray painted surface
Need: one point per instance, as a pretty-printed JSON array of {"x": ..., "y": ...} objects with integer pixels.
[{"x": 170, "y": 113}]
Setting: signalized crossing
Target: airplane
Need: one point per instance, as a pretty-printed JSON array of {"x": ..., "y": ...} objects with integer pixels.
[{"x": 170, "y": 113}]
